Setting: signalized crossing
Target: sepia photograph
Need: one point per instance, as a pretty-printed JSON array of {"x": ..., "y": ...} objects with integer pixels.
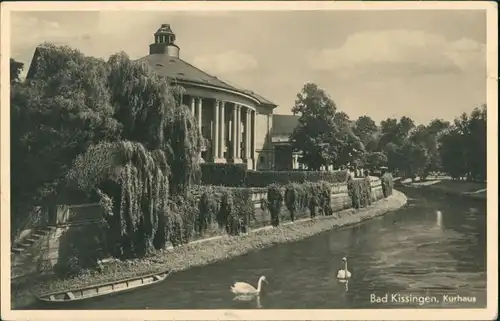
[{"x": 249, "y": 160}]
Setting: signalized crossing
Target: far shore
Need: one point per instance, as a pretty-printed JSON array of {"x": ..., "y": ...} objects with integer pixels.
[
  {"x": 473, "y": 190},
  {"x": 207, "y": 251}
]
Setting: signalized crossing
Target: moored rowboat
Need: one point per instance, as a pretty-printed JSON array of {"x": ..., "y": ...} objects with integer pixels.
[{"x": 103, "y": 288}]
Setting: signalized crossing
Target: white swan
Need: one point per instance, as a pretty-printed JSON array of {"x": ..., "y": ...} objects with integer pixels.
[
  {"x": 344, "y": 274},
  {"x": 240, "y": 288}
]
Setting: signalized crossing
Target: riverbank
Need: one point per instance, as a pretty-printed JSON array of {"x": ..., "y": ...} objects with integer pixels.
[
  {"x": 474, "y": 190},
  {"x": 207, "y": 251}
]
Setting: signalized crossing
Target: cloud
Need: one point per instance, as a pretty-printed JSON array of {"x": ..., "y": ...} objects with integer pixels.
[
  {"x": 226, "y": 62},
  {"x": 400, "y": 52},
  {"x": 29, "y": 29}
]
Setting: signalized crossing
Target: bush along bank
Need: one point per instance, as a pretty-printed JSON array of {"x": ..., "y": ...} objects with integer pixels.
[
  {"x": 237, "y": 175},
  {"x": 212, "y": 211}
]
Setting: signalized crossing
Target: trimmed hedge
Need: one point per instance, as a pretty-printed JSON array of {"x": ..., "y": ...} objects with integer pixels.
[
  {"x": 237, "y": 175},
  {"x": 228, "y": 208},
  {"x": 266, "y": 178},
  {"x": 231, "y": 175},
  {"x": 387, "y": 184}
]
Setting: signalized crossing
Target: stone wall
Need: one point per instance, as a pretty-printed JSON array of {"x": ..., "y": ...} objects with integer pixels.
[{"x": 83, "y": 221}]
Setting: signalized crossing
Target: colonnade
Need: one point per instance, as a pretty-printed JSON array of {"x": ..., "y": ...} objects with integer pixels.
[{"x": 232, "y": 134}]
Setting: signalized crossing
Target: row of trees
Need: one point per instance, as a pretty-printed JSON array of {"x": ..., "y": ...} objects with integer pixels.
[
  {"x": 326, "y": 136},
  {"x": 112, "y": 131}
]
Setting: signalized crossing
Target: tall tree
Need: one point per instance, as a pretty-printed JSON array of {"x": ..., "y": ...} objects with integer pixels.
[
  {"x": 351, "y": 149},
  {"x": 366, "y": 129},
  {"x": 55, "y": 115},
  {"x": 72, "y": 102},
  {"x": 462, "y": 147},
  {"x": 316, "y": 135}
]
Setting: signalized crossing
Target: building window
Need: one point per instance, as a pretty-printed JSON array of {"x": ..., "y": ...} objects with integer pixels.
[{"x": 261, "y": 159}]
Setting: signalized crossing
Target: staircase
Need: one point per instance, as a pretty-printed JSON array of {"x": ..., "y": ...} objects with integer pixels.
[{"x": 24, "y": 254}]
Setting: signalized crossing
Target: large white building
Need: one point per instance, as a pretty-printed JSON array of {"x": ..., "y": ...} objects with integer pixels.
[{"x": 237, "y": 123}]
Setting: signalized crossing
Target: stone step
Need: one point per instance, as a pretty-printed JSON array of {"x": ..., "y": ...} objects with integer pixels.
[
  {"x": 18, "y": 250},
  {"x": 33, "y": 238},
  {"x": 22, "y": 270}
]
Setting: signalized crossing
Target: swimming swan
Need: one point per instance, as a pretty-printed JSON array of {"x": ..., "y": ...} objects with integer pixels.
[
  {"x": 245, "y": 288},
  {"x": 344, "y": 274}
]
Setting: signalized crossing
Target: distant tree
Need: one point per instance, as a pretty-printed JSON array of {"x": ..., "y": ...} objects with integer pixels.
[
  {"x": 317, "y": 132},
  {"x": 388, "y": 132},
  {"x": 366, "y": 130},
  {"x": 462, "y": 147},
  {"x": 351, "y": 149},
  {"x": 395, "y": 159},
  {"x": 415, "y": 159},
  {"x": 453, "y": 155},
  {"x": 395, "y": 132},
  {"x": 477, "y": 130},
  {"x": 427, "y": 137},
  {"x": 375, "y": 160}
]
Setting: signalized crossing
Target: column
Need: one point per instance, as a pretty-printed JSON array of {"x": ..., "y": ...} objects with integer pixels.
[
  {"x": 248, "y": 131},
  {"x": 238, "y": 132},
  {"x": 233, "y": 134},
  {"x": 248, "y": 138},
  {"x": 215, "y": 136},
  {"x": 199, "y": 112},
  {"x": 193, "y": 106},
  {"x": 222, "y": 135},
  {"x": 254, "y": 137}
]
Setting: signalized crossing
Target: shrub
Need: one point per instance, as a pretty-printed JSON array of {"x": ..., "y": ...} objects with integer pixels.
[
  {"x": 230, "y": 175},
  {"x": 181, "y": 219},
  {"x": 229, "y": 217},
  {"x": 387, "y": 184},
  {"x": 368, "y": 196},
  {"x": 312, "y": 192},
  {"x": 292, "y": 199},
  {"x": 266, "y": 178},
  {"x": 274, "y": 201},
  {"x": 359, "y": 191},
  {"x": 80, "y": 248},
  {"x": 353, "y": 191},
  {"x": 207, "y": 210},
  {"x": 244, "y": 209},
  {"x": 325, "y": 194},
  {"x": 231, "y": 208}
]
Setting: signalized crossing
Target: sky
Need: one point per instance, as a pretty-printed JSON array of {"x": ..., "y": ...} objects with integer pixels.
[{"x": 423, "y": 64}]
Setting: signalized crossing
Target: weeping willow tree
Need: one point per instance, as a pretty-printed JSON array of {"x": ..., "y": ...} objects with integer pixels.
[
  {"x": 143, "y": 174},
  {"x": 132, "y": 184},
  {"x": 151, "y": 112},
  {"x": 184, "y": 146}
]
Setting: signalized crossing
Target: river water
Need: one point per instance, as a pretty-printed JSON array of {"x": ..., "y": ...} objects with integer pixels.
[{"x": 413, "y": 251}]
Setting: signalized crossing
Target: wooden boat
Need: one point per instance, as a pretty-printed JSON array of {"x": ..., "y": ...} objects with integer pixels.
[{"x": 103, "y": 289}]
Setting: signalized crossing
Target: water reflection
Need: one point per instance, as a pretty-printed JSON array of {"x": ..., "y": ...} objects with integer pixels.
[
  {"x": 249, "y": 298},
  {"x": 439, "y": 219}
]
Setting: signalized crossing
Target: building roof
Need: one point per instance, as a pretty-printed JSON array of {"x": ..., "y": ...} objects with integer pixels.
[
  {"x": 176, "y": 68},
  {"x": 283, "y": 125}
]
